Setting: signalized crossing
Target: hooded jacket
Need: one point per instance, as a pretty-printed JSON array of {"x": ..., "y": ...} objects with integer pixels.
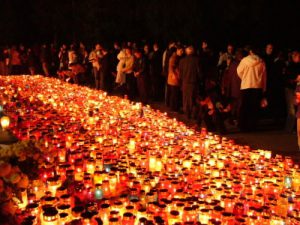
[{"x": 252, "y": 71}]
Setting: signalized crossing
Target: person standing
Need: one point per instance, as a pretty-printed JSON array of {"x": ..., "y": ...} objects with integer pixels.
[
  {"x": 45, "y": 58},
  {"x": 165, "y": 66},
  {"x": 191, "y": 76},
  {"x": 15, "y": 61},
  {"x": 155, "y": 73},
  {"x": 252, "y": 72},
  {"x": 128, "y": 71},
  {"x": 291, "y": 79},
  {"x": 231, "y": 85},
  {"x": 114, "y": 56},
  {"x": 209, "y": 68},
  {"x": 298, "y": 113},
  {"x": 2, "y": 61},
  {"x": 173, "y": 79},
  {"x": 23, "y": 57},
  {"x": 140, "y": 73},
  {"x": 273, "y": 84},
  {"x": 120, "y": 75},
  {"x": 32, "y": 61},
  {"x": 63, "y": 58},
  {"x": 7, "y": 60},
  {"x": 106, "y": 70},
  {"x": 225, "y": 58},
  {"x": 94, "y": 58}
]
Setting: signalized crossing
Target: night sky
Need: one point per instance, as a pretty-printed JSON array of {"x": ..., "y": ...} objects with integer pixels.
[{"x": 219, "y": 22}]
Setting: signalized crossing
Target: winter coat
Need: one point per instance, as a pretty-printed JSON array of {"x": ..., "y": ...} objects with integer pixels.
[
  {"x": 190, "y": 71},
  {"x": 252, "y": 71},
  {"x": 173, "y": 70}
]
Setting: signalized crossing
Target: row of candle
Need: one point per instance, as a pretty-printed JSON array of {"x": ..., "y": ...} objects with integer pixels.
[{"x": 100, "y": 150}]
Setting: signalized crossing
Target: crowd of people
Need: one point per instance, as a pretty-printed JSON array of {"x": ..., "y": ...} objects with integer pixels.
[{"x": 237, "y": 85}]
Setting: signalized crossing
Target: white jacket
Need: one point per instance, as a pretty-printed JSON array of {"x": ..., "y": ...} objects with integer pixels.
[{"x": 252, "y": 71}]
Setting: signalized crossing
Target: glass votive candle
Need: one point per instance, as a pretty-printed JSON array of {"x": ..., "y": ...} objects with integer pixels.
[
  {"x": 78, "y": 174},
  {"x": 98, "y": 177},
  {"x": 33, "y": 209},
  {"x": 63, "y": 218},
  {"x": 204, "y": 216},
  {"x": 238, "y": 209},
  {"x": 188, "y": 215},
  {"x": 112, "y": 183},
  {"x": 227, "y": 218},
  {"x": 38, "y": 188},
  {"x": 216, "y": 213},
  {"x": 128, "y": 219},
  {"x": 142, "y": 213},
  {"x": 229, "y": 204},
  {"x": 76, "y": 212},
  {"x": 114, "y": 214},
  {"x": 50, "y": 216},
  {"x": 106, "y": 188},
  {"x": 61, "y": 155},
  {"x": 90, "y": 166},
  {"x": 53, "y": 183},
  {"x": 104, "y": 212},
  {"x": 114, "y": 221}
]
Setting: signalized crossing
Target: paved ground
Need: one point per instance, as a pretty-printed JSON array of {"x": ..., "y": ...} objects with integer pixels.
[{"x": 267, "y": 137}]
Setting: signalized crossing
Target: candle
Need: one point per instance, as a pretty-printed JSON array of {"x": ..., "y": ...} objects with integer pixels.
[
  {"x": 5, "y": 121},
  {"x": 50, "y": 216},
  {"x": 204, "y": 216},
  {"x": 100, "y": 148},
  {"x": 131, "y": 146},
  {"x": 128, "y": 219},
  {"x": 104, "y": 213},
  {"x": 152, "y": 163},
  {"x": 90, "y": 166},
  {"x": 53, "y": 183},
  {"x": 112, "y": 183},
  {"x": 61, "y": 155}
]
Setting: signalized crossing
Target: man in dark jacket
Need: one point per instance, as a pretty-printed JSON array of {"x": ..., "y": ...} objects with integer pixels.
[
  {"x": 155, "y": 73},
  {"x": 190, "y": 75}
]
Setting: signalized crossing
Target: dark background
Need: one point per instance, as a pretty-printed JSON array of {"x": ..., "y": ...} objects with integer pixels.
[{"x": 219, "y": 22}]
